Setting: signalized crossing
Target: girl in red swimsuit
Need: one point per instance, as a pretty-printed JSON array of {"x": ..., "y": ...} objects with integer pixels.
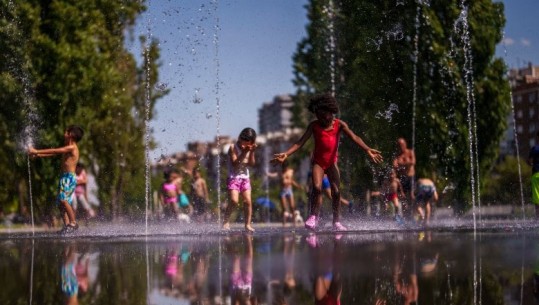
[{"x": 326, "y": 130}]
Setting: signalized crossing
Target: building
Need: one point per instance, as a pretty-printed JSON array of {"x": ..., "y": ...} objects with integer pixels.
[
  {"x": 525, "y": 96},
  {"x": 526, "y": 103},
  {"x": 276, "y": 115}
]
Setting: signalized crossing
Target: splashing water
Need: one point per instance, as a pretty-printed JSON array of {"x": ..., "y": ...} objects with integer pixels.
[
  {"x": 196, "y": 98},
  {"x": 388, "y": 114},
  {"x": 161, "y": 86},
  {"x": 414, "y": 81},
  {"x": 147, "y": 120},
  {"x": 515, "y": 135},
  {"x": 330, "y": 12},
  {"x": 217, "y": 28},
  {"x": 462, "y": 27}
]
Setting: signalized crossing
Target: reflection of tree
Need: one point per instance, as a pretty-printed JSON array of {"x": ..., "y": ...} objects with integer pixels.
[{"x": 121, "y": 276}]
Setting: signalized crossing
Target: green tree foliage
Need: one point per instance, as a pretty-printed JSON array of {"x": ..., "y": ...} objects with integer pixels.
[
  {"x": 67, "y": 64},
  {"x": 375, "y": 65},
  {"x": 503, "y": 185}
]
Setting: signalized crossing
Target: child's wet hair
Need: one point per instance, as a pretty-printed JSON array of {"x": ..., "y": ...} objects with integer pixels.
[
  {"x": 169, "y": 171},
  {"x": 324, "y": 102},
  {"x": 75, "y": 131},
  {"x": 248, "y": 134}
]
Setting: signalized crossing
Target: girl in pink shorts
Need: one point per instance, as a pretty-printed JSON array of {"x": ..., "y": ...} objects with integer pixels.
[{"x": 240, "y": 156}]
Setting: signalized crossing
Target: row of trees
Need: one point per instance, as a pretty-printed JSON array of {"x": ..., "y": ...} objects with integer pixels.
[
  {"x": 382, "y": 51},
  {"x": 65, "y": 62}
]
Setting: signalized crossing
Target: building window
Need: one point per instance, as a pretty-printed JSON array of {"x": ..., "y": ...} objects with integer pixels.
[
  {"x": 532, "y": 96},
  {"x": 520, "y": 129},
  {"x": 532, "y": 112},
  {"x": 532, "y": 128},
  {"x": 519, "y": 98},
  {"x": 532, "y": 142},
  {"x": 519, "y": 114}
]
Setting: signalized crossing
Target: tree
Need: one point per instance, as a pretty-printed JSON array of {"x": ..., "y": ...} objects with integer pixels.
[
  {"x": 400, "y": 64},
  {"x": 67, "y": 64}
]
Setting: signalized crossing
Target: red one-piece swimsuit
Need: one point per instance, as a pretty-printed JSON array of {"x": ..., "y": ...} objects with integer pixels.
[{"x": 326, "y": 144}]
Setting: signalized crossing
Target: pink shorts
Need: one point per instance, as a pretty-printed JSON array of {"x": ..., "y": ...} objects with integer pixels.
[{"x": 239, "y": 184}]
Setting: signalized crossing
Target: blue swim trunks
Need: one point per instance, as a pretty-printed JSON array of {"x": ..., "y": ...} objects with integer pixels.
[
  {"x": 66, "y": 187},
  {"x": 325, "y": 183}
]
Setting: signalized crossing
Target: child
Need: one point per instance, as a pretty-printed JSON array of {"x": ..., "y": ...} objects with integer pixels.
[
  {"x": 68, "y": 179},
  {"x": 80, "y": 191},
  {"x": 426, "y": 192},
  {"x": 326, "y": 130},
  {"x": 392, "y": 189},
  {"x": 240, "y": 155},
  {"x": 288, "y": 204},
  {"x": 199, "y": 194},
  {"x": 169, "y": 194}
]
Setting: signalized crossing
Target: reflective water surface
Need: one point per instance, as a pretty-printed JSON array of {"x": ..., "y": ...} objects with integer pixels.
[{"x": 420, "y": 267}]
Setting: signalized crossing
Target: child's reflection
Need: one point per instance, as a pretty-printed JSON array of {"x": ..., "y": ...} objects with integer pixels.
[
  {"x": 70, "y": 285},
  {"x": 241, "y": 278},
  {"x": 405, "y": 279},
  {"x": 327, "y": 286}
]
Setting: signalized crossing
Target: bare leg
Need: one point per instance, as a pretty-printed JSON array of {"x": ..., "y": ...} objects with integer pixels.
[
  {"x": 247, "y": 210},
  {"x": 316, "y": 192},
  {"x": 284, "y": 208},
  {"x": 233, "y": 197},
  {"x": 427, "y": 210},
  {"x": 335, "y": 182},
  {"x": 68, "y": 211}
]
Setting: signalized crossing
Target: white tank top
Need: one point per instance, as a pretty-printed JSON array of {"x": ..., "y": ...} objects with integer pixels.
[{"x": 240, "y": 170}]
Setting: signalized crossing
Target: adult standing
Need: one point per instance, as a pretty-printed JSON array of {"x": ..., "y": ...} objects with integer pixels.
[
  {"x": 404, "y": 165},
  {"x": 533, "y": 160}
]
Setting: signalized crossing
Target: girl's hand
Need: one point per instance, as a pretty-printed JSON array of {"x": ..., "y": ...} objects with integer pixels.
[
  {"x": 375, "y": 155},
  {"x": 279, "y": 158}
]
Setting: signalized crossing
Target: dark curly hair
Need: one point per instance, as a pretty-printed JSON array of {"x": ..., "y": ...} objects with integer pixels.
[
  {"x": 76, "y": 132},
  {"x": 325, "y": 102}
]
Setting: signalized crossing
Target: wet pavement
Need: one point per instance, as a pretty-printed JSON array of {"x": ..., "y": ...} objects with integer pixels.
[{"x": 372, "y": 263}]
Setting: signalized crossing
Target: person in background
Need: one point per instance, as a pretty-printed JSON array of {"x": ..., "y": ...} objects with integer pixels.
[{"x": 81, "y": 193}]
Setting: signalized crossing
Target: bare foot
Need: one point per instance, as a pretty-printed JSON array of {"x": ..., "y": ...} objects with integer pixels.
[
  {"x": 250, "y": 229},
  {"x": 226, "y": 226}
]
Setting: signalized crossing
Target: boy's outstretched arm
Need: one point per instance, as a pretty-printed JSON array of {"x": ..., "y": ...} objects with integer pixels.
[
  {"x": 280, "y": 157},
  {"x": 374, "y": 154},
  {"x": 49, "y": 152}
]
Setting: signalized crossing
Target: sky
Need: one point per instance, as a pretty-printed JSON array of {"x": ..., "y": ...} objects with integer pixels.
[{"x": 239, "y": 55}]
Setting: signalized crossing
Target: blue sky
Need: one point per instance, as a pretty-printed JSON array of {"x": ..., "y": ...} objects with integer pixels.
[{"x": 256, "y": 41}]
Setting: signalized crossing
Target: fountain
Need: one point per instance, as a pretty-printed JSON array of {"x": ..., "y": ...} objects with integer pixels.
[{"x": 383, "y": 260}]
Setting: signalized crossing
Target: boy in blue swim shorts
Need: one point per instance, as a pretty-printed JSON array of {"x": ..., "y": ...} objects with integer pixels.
[{"x": 68, "y": 180}]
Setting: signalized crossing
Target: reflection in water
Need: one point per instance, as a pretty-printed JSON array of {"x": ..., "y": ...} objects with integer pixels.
[
  {"x": 74, "y": 274},
  {"x": 326, "y": 260},
  {"x": 274, "y": 269}
]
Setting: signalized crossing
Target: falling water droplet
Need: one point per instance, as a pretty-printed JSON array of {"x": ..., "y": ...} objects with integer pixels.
[
  {"x": 161, "y": 86},
  {"x": 209, "y": 115}
]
